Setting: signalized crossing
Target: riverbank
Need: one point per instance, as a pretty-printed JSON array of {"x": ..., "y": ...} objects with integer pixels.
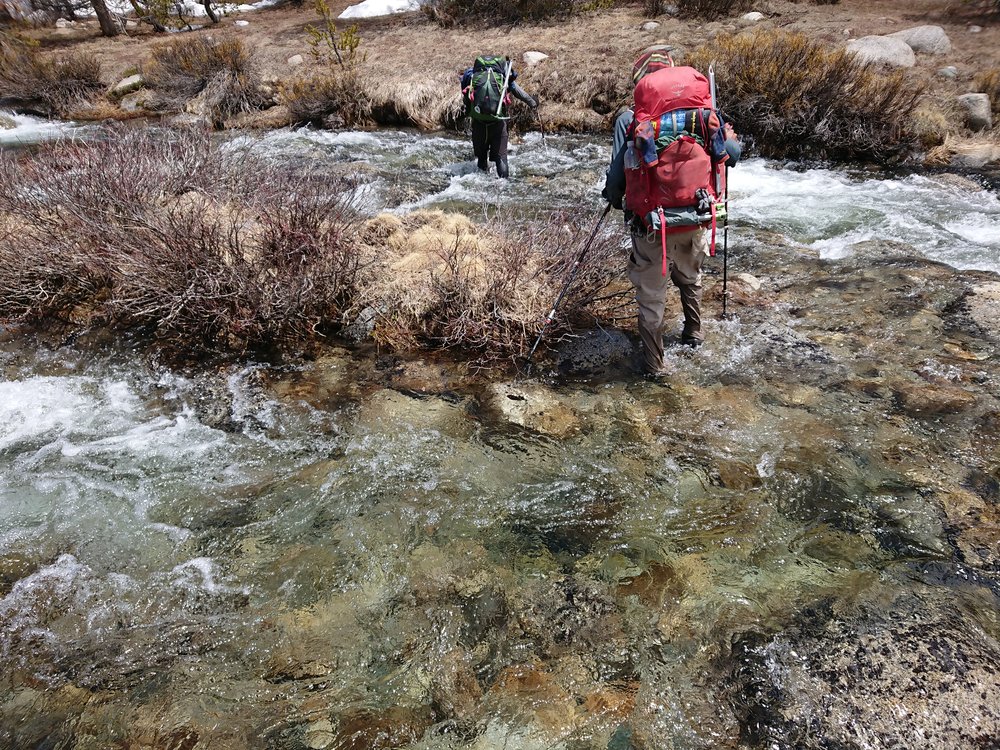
[{"x": 582, "y": 82}]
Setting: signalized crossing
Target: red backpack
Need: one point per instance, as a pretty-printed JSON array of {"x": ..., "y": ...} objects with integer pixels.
[{"x": 677, "y": 146}]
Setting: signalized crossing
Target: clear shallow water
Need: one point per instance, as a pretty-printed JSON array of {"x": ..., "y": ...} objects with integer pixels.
[{"x": 333, "y": 556}]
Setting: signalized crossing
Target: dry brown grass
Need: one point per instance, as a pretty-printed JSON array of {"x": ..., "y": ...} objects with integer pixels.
[
  {"x": 62, "y": 83},
  {"x": 332, "y": 99},
  {"x": 988, "y": 82},
  {"x": 217, "y": 79},
  {"x": 711, "y": 9},
  {"x": 795, "y": 97},
  {"x": 452, "y": 12},
  {"x": 442, "y": 281}
]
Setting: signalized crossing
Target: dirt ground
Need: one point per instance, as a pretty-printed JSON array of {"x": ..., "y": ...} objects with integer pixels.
[{"x": 408, "y": 51}]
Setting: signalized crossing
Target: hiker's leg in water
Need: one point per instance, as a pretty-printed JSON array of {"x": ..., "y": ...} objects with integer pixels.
[
  {"x": 687, "y": 251},
  {"x": 645, "y": 272},
  {"x": 498, "y": 147},
  {"x": 481, "y": 143}
]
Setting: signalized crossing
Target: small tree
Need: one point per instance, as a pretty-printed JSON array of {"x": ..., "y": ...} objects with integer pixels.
[{"x": 109, "y": 24}]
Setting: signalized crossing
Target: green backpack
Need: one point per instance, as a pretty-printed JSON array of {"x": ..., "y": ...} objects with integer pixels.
[{"x": 487, "y": 93}]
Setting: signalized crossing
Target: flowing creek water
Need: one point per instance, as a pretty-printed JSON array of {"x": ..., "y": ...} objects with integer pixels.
[{"x": 369, "y": 552}]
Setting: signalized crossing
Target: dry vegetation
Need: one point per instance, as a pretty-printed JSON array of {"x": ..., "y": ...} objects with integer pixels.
[
  {"x": 796, "y": 97},
  {"x": 218, "y": 79},
  {"x": 204, "y": 254},
  {"x": 61, "y": 84},
  {"x": 452, "y": 12},
  {"x": 988, "y": 83},
  {"x": 333, "y": 99}
]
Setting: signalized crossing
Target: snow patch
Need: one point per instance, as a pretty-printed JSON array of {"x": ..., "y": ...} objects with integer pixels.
[{"x": 373, "y": 8}]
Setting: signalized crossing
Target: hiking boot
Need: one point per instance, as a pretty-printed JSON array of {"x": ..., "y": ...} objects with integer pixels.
[
  {"x": 691, "y": 341},
  {"x": 503, "y": 172},
  {"x": 484, "y": 166}
]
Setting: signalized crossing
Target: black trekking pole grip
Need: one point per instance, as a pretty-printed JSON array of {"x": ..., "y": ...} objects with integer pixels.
[{"x": 569, "y": 282}]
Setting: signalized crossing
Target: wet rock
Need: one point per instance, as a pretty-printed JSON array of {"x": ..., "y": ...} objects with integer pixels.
[
  {"x": 977, "y": 112},
  {"x": 391, "y": 728},
  {"x": 923, "y": 400},
  {"x": 883, "y": 50},
  {"x": 128, "y": 85},
  {"x": 984, "y": 307},
  {"x": 929, "y": 39},
  {"x": 903, "y": 674},
  {"x": 534, "y": 407},
  {"x": 455, "y": 691},
  {"x": 14, "y": 567},
  {"x": 533, "y": 58},
  {"x": 595, "y": 351},
  {"x": 319, "y": 735}
]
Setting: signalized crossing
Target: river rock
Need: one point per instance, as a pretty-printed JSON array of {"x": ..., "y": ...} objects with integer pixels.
[
  {"x": 883, "y": 50},
  {"x": 128, "y": 85},
  {"x": 394, "y": 727},
  {"x": 923, "y": 400},
  {"x": 319, "y": 735},
  {"x": 904, "y": 674},
  {"x": 134, "y": 102},
  {"x": 594, "y": 351},
  {"x": 930, "y": 39},
  {"x": 534, "y": 407},
  {"x": 532, "y": 58},
  {"x": 295, "y": 61},
  {"x": 984, "y": 307},
  {"x": 949, "y": 71},
  {"x": 976, "y": 107},
  {"x": 974, "y": 155},
  {"x": 7, "y": 122}
]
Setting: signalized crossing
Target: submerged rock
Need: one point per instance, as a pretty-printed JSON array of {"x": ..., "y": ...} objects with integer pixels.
[
  {"x": 906, "y": 675},
  {"x": 533, "y": 406}
]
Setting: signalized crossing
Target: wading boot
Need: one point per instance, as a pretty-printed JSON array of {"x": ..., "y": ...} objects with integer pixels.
[
  {"x": 484, "y": 166},
  {"x": 691, "y": 305},
  {"x": 502, "y": 170}
]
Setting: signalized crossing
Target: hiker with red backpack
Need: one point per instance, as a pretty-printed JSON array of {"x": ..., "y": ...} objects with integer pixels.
[
  {"x": 487, "y": 88},
  {"x": 668, "y": 174}
]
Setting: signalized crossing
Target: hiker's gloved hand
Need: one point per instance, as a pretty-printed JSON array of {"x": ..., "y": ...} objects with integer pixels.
[{"x": 729, "y": 132}]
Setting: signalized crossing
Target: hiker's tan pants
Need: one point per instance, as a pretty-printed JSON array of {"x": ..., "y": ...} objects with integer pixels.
[{"x": 686, "y": 251}]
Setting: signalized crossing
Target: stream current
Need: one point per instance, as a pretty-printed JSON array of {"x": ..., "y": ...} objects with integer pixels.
[{"x": 345, "y": 554}]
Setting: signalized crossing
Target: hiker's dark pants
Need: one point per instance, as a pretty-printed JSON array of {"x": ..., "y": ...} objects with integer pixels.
[{"x": 489, "y": 139}]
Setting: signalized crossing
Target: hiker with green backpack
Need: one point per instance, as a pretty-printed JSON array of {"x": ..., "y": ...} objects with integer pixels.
[
  {"x": 672, "y": 153},
  {"x": 487, "y": 88}
]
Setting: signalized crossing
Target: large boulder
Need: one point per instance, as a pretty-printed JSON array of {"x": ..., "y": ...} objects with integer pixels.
[
  {"x": 127, "y": 85},
  {"x": 899, "y": 674},
  {"x": 883, "y": 50},
  {"x": 976, "y": 108},
  {"x": 930, "y": 39}
]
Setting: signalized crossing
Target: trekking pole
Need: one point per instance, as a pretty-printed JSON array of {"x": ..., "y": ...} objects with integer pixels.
[
  {"x": 541, "y": 125},
  {"x": 725, "y": 250},
  {"x": 506, "y": 83},
  {"x": 572, "y": 276}
]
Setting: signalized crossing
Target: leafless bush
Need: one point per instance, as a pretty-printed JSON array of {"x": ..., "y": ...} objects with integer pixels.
[
  {"x": 339, "y": 96},
  {"x": 162, "y": 233},
  {"x": 452, "y": 12},
  {"x": 446, "y": 283},
  {"x": 710, "y": 9},
  {"x": 797, "y": 97},
  {"x": 218, "y": 79},
  {"x": 61, "y": 83}
]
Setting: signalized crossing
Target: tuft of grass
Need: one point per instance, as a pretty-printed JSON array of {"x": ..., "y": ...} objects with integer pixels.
[
  {"x": 444, "y": 282},
  {"x": 988, "y": 82},
  {"x": 795, "y": 97},
  {"x": 331, "y": 98},
  {"x": 218, "y": 79},
  {"x": 62, "y": 83}
]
